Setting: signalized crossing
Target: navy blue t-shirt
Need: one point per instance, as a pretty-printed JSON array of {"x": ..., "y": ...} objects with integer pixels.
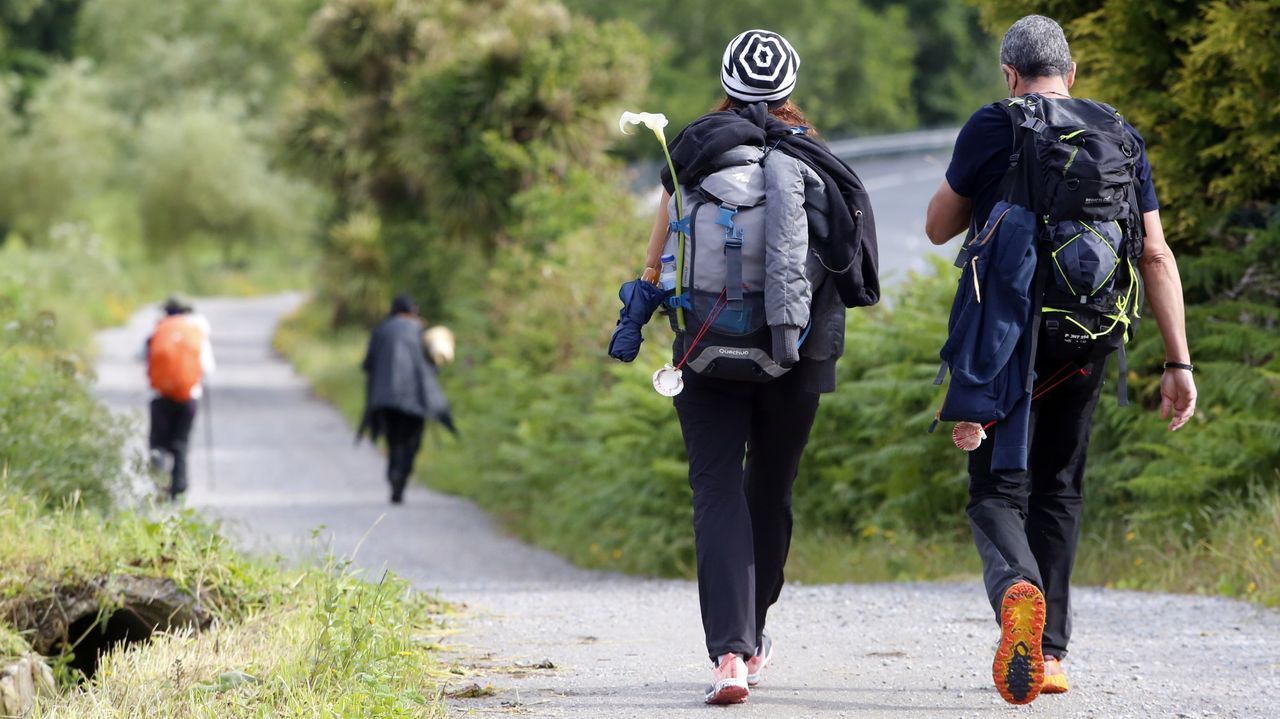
[{"x": 981, "y": 157}]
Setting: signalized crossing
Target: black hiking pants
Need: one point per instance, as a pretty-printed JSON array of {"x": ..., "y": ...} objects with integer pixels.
[
  {"x": 1027, "y": 524},
  {"x": 170, "y": 432},
  {"x": 404, "y": 438},
  {"x": 742, "y": 507}
]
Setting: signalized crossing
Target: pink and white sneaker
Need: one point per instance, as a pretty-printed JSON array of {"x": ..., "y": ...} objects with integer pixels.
[
  {"x": 728, "y": 681},
  {"x": 757, "y": 664}
]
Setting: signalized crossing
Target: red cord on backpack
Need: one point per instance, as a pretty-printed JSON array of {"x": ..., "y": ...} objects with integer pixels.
[
  {"x": 969, "y": 439},
  {"x": 716, "y": 309}
]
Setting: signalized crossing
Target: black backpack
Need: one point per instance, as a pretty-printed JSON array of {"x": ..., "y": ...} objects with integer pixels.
[{"x": 1074, "y": 166}]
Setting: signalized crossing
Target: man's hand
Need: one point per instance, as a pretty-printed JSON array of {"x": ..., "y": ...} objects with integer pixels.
[{"x": 1177, "y": 397}]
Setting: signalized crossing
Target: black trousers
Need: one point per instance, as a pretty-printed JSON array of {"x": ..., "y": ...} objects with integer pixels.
[
  {"x": 404, "y": 438},
  {"x": 1027, "y": 524},
  {"x": 171, "y": 422},
  {"x": 742, "y": 509}
]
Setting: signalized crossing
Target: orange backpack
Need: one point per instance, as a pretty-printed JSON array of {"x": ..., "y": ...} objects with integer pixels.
[{"x": 173, "y": 357}]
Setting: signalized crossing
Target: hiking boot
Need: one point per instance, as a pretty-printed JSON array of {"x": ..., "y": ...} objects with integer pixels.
[
  {"x": 1055, "y": 680},
  {"x": 757, "y": 663},
  {"x": 1018, "y": 669},
  {"x": 728, "y": 681}
]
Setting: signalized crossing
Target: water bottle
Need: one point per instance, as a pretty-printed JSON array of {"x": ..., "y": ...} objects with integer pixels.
[{"x": 667, "y": 280}]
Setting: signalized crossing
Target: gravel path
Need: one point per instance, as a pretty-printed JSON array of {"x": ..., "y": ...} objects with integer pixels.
[{"x": 285, "y": 466}]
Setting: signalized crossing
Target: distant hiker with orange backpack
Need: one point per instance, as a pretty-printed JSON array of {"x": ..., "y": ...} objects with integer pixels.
[
  {"x": 1064, "y": 234},
  {"x": 179, "y": 356}
]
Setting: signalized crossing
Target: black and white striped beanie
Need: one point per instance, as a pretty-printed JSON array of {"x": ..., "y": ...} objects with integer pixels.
[{"x": 759, "y": 66}]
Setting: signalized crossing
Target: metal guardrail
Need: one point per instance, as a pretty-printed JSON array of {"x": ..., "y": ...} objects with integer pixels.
[{"x": 899, "y": 143}]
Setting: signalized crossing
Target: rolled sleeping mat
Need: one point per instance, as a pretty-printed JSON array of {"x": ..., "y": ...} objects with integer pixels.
[{"x": 439, "y": 344}]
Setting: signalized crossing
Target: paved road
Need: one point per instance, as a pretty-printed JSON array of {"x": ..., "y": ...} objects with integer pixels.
[{"x": 285, "y": 466}]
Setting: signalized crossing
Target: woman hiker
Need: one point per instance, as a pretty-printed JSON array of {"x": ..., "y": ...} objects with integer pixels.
[{"x": 744, "y": 438}]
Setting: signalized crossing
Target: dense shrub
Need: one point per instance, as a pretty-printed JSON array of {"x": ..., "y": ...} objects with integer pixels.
[
  {"x": 56, "y": 440},
  {"x": 1198, "y": 79}
]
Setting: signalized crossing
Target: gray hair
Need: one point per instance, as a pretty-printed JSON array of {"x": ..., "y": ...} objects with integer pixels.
[{"x": 1036, "y": 47}]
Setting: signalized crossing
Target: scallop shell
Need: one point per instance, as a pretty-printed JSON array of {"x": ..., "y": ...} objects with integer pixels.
[{"x": 968, "y": 435}]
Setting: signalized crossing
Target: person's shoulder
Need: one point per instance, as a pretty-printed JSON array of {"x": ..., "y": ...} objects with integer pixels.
[
  {"x": 983, "y": 125},
  {"x": 987, "y": 115}
]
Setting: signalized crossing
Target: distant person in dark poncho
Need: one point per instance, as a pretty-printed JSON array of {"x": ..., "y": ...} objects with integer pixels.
[{"x": 401, "y": 391}]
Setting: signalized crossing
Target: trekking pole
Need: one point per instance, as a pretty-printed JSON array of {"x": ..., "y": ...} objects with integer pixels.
[{"x": 208, "y": 431}]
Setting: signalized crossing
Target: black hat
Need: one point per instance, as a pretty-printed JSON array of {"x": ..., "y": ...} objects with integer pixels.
[
  {"x": 177, "y": 305},
  {"x": 403, "y": 304}
]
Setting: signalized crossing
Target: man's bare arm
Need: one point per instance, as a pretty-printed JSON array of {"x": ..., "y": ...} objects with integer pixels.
[
  {"x": 1164, "y": 294},
  {"x": 948, "y": 215}
]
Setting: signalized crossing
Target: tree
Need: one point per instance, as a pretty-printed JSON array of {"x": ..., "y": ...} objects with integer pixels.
[
  {"x": 62, "y": 152},
  {"x": 437, "y": 117},
  {"x": 201, "y": 178},
  {"x": 152, "y": 51},
  {"x": 1200, "y": 80},
  {"x": 36, "y": 33},
  {"x": 868, "y": 65}
]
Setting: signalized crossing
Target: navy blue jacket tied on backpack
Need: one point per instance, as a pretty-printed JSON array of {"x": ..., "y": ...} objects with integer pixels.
[
  {"x": 1051, "y": 273},
  {"x": 639, "y": 301},
  {"x": 988, "y": 348}
]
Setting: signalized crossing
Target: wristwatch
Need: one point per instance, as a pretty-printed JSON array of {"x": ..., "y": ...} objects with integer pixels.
[{"x": 1179, "y": 365}]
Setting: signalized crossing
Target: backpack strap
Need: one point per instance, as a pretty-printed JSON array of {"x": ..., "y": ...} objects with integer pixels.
[
  {"x": 732, "y": 256},
  {"x": 1122, "y": 381}
]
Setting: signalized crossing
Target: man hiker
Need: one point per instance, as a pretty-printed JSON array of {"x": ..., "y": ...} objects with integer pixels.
[
  {"x": 401, "y": 391},
  {"x": 1025, "y": 484},
  {"x": 179, "y": 356}
]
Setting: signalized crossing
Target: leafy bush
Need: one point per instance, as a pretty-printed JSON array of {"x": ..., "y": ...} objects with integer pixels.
[
  {"x": 150, "y": 52},
  {"x": 200, "y": 176},
  {"x": 67, "y": 154},
  {"x": 55, "y": 439},
  {"x": 1196, "y": 78},
  {"x": 1233, "y": 443}
]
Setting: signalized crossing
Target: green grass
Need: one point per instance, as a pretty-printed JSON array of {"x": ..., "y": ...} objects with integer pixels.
[{"x": 317, "y": 642}]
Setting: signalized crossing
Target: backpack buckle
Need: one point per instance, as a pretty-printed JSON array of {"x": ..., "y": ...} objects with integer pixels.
[
  {"x": 725, "y": 218},
  {"x": 679, "y": 226}
]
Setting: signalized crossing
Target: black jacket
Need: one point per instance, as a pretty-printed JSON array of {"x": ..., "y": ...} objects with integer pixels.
[
  {"x": 399, "y": 375},
  {"x": 848, "y": 248}
]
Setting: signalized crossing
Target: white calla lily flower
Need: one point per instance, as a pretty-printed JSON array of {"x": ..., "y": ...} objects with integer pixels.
[
  {"x": 656, "y": 121},
  {"x": 653, "y": 120}
]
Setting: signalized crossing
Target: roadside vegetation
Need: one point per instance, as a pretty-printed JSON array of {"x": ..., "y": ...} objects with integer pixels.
[
  {"x": 139, "y": 157},
  {"x": 245, "y": 638}
]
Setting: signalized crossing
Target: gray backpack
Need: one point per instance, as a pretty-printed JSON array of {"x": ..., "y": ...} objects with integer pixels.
[{"x": 741, "y": 309}]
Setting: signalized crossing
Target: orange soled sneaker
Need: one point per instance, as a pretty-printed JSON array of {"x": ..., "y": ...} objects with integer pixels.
[
  {"x": 757, "y": 663},
  {"x": 1055, "y": 680},
  {"x": 1018, "y": 669},
  {"x": 728, "y": 681}
]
